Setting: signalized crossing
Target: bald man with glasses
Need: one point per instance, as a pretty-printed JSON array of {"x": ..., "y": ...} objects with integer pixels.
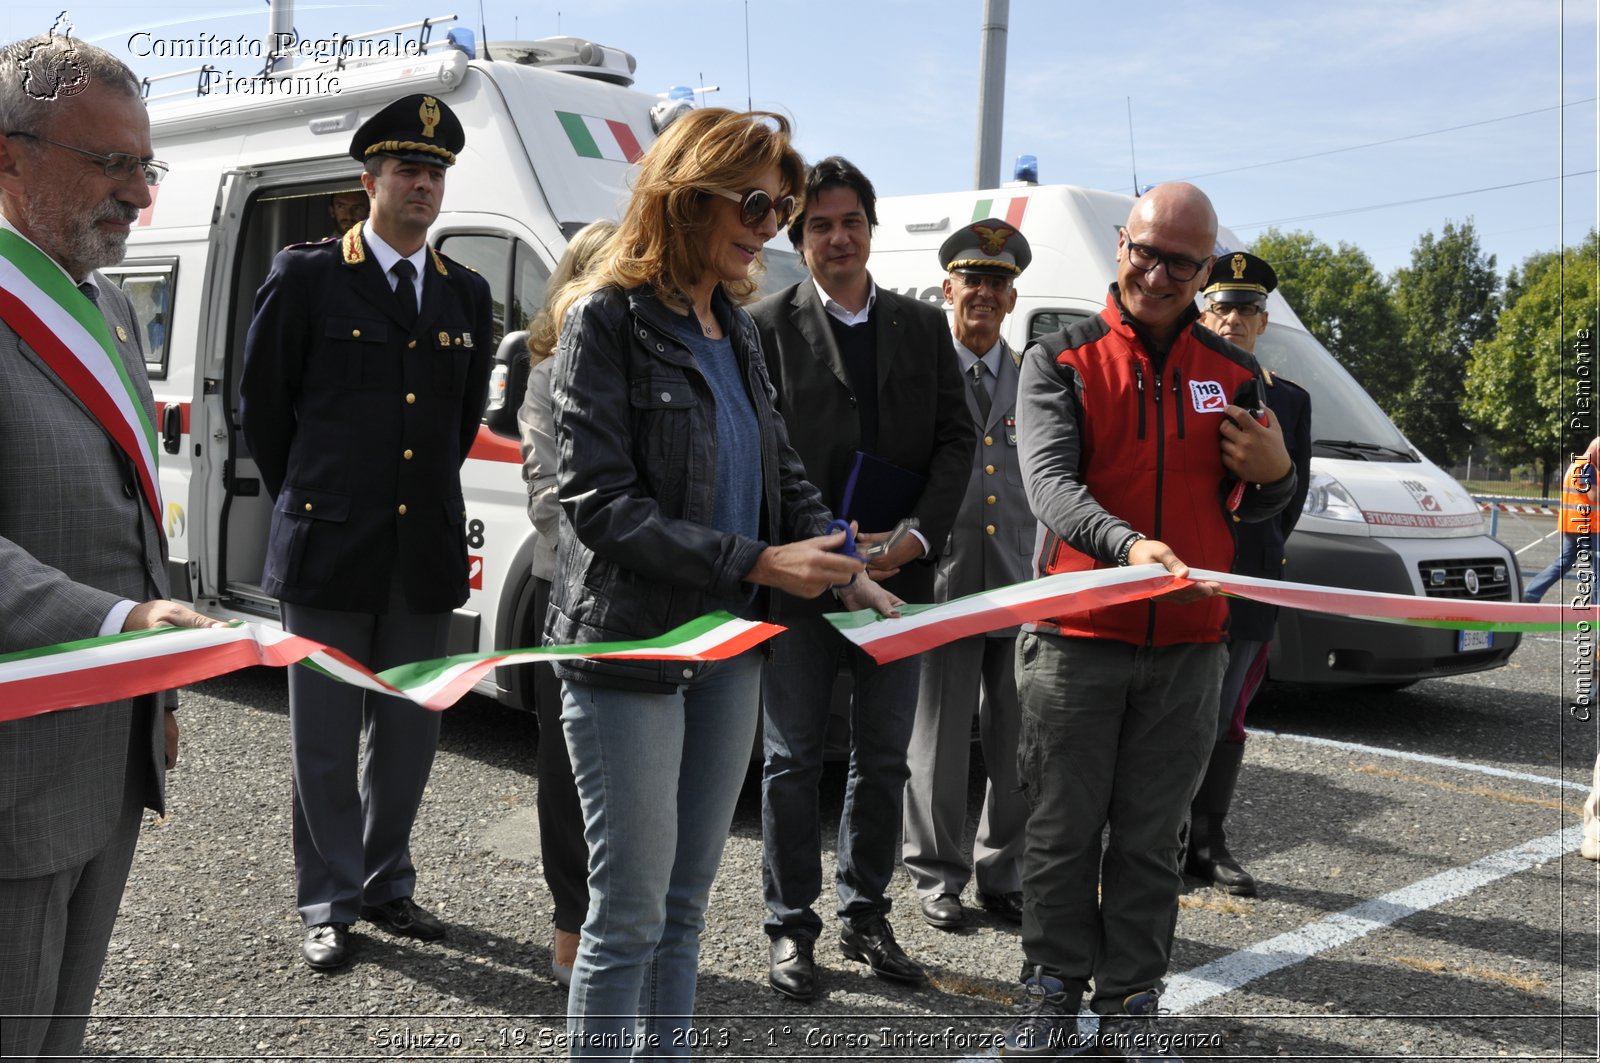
[{"x": 1135, "y": 426}]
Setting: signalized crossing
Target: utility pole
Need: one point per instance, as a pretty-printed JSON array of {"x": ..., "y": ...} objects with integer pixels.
[{"x": 992, "y": 91}]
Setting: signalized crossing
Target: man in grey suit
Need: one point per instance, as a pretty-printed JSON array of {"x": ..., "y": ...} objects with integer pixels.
[
  {"x": 990, "y": 546},
  {"x": 869, "y": 389},
  {"x": 81, "y": 547}
]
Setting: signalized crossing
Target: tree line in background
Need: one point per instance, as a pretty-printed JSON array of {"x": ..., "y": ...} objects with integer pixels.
[{"x": 1454, "y": 357}]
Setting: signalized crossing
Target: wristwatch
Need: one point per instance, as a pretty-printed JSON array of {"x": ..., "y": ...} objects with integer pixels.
[{"x": 1127, "y": 545}]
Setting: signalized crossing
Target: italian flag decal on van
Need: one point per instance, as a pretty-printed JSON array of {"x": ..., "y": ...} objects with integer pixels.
[
  {"x": 1014, "y": 207},
  {"x": 600, "y": 138}
]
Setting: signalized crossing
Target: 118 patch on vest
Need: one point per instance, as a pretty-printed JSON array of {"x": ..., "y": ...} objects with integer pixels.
[{"x": 1207, "y": 396}]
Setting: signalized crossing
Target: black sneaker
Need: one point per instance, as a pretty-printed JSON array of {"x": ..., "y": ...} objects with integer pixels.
[
  {"x": 1047, "y": 1019},
  {"x": 1133, "y": 1034}
]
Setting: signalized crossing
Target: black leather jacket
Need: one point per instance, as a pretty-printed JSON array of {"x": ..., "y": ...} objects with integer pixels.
[{"x": 636, "y": 448}]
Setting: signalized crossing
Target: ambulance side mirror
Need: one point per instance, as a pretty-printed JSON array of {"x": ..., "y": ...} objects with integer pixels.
[{"x": 508, "y": 384}]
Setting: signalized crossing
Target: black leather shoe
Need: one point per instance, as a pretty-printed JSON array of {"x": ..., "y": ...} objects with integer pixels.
[
  {"x": 943, "y": 911},
  {"x": 327, "y": 945},
  {"x": 793, "y": 971},
  {"x": 1007, "y": 906},
  {"x": 404, "y": 916},
  {"x": 872, "y": 942}
]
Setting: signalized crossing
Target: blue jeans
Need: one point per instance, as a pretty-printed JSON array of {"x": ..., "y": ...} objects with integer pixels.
[
  {"x": 796, "y": 696},
  {"x": 658, "y": 776},
  {"x": 1556, "y": 569}
]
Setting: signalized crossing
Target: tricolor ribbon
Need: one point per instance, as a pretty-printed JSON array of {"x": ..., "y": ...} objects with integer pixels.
[
  {"x": 93, "y": 671},
  {"x": 924, "y": 627},
  {"x": 97, "y": 670},
  {"x": 68, "y": 332}
]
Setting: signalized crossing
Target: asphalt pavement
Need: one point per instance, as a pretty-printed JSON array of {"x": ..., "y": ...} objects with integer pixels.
[{"x": 1421, "y": 896}]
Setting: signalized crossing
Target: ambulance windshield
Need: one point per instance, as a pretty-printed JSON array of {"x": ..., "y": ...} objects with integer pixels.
[{"x": 1345, "y": 422}]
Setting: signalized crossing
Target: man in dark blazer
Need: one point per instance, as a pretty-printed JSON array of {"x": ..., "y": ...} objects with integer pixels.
[
  {"x": 859, "y": 371},
  {"x": 990, "y": 546},
  {"x": 1236, "y": 309},
  {"x": 366, "y": 368},
  {"x": 81, "y": 548}
]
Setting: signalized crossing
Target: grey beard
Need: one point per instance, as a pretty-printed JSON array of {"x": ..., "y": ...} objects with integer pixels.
[{"x": 73, "y": 240}]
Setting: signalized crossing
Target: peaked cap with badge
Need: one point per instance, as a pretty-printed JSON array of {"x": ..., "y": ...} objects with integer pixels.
[
  {"x": 415, "y": 128},
  {"x": 989, "y": 246},
  {"x": 1240, "y": 277}
]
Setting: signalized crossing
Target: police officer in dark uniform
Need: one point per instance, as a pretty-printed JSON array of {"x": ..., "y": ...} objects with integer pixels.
[
  {"x": 366, "y": 368},
  {"x": 1236, "y": 309}
]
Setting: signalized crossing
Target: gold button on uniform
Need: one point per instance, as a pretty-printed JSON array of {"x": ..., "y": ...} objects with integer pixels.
[
  {"x": 411, "y": 398},
  {"x": 412, "y": 345},
  {"x": 989, "y": 529},
  {"x": 402, "y": 509},
  {"x": 406, "y": 454},
  {"x": 988, "y": 441},
  {"x": 308, "y": 507},
  {"x": 989, "y": 469},
  {"x": 355, "y": 334},
  {"x": 990, "y": 500}
]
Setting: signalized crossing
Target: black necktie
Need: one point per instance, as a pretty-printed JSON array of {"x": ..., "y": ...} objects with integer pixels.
[
  {"x": 980, "y": 390},
  {"x": 405, "y": 290},
  {"x": 91, "y": 292}
]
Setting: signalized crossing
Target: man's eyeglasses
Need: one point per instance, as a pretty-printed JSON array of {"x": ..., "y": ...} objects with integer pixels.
[
  {"x": 973, "y": 281},
  {"x": 118, "y": 166},
  {"x": 1242, "y": 309},
  {"x": 754, "y": 205},
  {"x": 1145, "y": 259}
]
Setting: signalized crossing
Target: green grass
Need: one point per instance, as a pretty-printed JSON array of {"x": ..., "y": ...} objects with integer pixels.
[{"x": 1507, "y": 488}]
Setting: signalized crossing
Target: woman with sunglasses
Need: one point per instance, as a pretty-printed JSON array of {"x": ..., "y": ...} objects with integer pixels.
[{"x": 680, "y": 495}]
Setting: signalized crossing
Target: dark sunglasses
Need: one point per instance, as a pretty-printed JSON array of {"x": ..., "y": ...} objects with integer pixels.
[{"x": 754, "y": 205}]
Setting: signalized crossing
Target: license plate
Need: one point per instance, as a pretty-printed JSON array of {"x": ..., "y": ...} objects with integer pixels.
[{"x": 1467, "y": 641}]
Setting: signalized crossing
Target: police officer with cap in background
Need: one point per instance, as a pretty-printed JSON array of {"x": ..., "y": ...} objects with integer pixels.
[
  {"x": 366, "y": 368},
  {"x": 1236, "y": 309},
  {"x": 990, "y": 546}
]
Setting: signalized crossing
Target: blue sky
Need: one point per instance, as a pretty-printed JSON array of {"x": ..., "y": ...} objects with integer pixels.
[{"x": 1216, "y": 92}]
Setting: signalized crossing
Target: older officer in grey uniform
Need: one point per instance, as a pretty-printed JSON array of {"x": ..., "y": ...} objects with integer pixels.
[
  {"x": 990, "y": 546},
  {"x": 365, "y": 373}
]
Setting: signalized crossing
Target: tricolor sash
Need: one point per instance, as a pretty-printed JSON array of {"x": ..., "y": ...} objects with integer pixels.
[{"x": 68, "y": 332}]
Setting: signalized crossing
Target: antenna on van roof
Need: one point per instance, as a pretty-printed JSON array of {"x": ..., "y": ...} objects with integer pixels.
[
  {"x": 483, "y": 30},
  {"x": 1133, "y": 159}
]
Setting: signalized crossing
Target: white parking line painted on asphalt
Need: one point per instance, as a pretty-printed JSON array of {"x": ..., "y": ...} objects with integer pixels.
[
  {"x": 1424, "y": 758},
  {"x": 1192, "y": 988}
]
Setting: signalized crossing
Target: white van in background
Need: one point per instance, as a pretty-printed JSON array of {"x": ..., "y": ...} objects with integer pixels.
[
  {"x": 552, "y": 130},
  {"x": 1379, "y": 515}
]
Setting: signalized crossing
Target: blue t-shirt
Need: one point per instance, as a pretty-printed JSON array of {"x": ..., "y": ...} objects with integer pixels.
[{"x": 736, "y": 505}]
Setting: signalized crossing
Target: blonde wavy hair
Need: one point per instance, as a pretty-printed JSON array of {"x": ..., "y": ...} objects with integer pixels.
[
  {"x": 582, "y": 252},
  {"x": 657, "y": 243}
]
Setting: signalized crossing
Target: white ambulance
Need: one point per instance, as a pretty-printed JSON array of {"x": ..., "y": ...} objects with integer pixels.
[
  {"x": 552, "y": 128},
  {"x": 1379, "y": 515}
]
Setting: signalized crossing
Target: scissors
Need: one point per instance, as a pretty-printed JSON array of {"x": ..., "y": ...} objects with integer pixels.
[
  {"x": 849, "y": 546},
  {"x": 878, "y": 549}
]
